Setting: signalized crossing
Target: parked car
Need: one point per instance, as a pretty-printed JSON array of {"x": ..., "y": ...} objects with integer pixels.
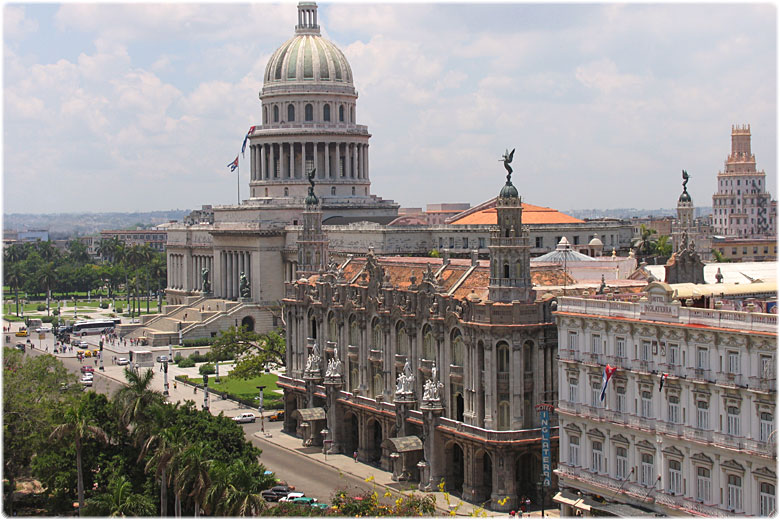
[
  {"x": 291, "y": 496},
  {"x": 245, "y": 417},
  {"x": 275, "y": 493},
  {"x": 43, "y": 328},
  {"x": 162, "y": 359},
  {"x": 309, "y": 501},
  {"x": 21, "y": 346},
  {"x": 22, "y": 333},
  {"x": 278, "y": 415},
  {"x": 87, "y": 368},
  {"x": 86, "y": 380},
  {"x": 122, "y": 361},
  {"x": 82, "y": 344}
]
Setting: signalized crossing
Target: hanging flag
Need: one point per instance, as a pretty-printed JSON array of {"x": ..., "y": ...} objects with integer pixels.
[
  {"x": 608, "y": 372},
  {"x": 233, "y": 165},
  {"x": 243, "y": 146},
  {"x": 663, "y": 380}
]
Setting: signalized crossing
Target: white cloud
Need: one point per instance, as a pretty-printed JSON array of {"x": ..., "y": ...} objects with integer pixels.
[
  {"x": 603, "y": 75},
  {"x": 15, "y": 24}
]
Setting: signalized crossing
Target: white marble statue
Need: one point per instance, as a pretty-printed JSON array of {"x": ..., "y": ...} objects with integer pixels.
[
  {"x": 432, "y": 389},
  {"x": 334, "y": 365},
  {"x": 313, "y": 361}
]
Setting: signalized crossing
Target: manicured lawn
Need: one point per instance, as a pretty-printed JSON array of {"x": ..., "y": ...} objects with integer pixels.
[{"x": 246, "y": 388}]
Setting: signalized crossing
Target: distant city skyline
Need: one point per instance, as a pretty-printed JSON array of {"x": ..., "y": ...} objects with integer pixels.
[{"x": 140, "y": 107}]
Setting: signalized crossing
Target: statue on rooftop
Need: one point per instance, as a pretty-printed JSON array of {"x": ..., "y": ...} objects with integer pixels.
[
  {"x": 685, "y": 179},
  {"x": 507, "y": 158},
  {"x": 243, "y": 285},
  {"x": 310, "y": 176},
  {"x": 204, "y": 277}
]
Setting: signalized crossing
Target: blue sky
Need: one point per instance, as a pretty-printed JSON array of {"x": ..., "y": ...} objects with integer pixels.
[{"x": 124, "y": 107}]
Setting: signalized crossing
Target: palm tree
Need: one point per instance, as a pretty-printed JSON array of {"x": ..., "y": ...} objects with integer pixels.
[
  {"x": 193, "y": 474},
  {"x": 48, "y": 277},
  {"x": 165, "y": 446},
  {"x": 79, "y": 427},
  {"x": 136, "y": 398},
  {"x": 14, "y": 276},
  {"x": 243, "y": 495},
  {"x": 121, "y": 501}
]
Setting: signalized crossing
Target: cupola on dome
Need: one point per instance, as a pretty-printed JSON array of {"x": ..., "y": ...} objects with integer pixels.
[{"x": 307, "y": 57}]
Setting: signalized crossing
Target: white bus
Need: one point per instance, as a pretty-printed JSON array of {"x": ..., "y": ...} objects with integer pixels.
[{"x": 82, "y": 328}]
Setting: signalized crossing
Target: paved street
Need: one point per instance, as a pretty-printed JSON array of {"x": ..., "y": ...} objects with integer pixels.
[{"x": 308, "y": 469}]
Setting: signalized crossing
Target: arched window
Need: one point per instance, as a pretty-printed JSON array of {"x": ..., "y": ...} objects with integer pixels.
[
  {"x": 352, "y": 114},
  {"x": 503, "y": 357},
  {"x": 276, "y": 114},
  {"x": 332, "y": 190},
  {"x": 457, "y": 349},
  {"x": 378, "y": 384},
  {"x": 290, "y": 112},
  {"x": 506, "y": 270},
  {"x": 341, "y": 113},
  {"x": 354, "y": 333},
  {"x": 326, "y": 113},
  {"x": 429, "y": 348},
  {"x": 402, "y": 339},
  {"x": 333, "y": 330},
  {"x": 377, "y": 337},
  {"x": 286, "y": 192},
  {"x": 528, "y": 360},
  {"x": 503, "y": 415},
  {"x": 265, "y": 115},
  {"x": 309, "y": 112},
  {"x": 353, "y": 190},
  {"x": 354, "y": 378}
]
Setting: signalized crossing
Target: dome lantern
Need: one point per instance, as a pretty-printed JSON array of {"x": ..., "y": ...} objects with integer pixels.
[{"x": 307, "y": 19}]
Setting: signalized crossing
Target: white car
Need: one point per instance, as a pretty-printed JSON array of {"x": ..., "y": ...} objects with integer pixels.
[
  {"x": 122, "y": 361},
  {"x": 290, "y": 497},
  {"x": 86, "y": 380},
  {"x": 44, "y": 328},
  {"x": 245, "y": 417}
]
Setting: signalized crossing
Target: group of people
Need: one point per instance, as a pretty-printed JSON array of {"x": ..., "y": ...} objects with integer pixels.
[{"x": 525, "y": 507}]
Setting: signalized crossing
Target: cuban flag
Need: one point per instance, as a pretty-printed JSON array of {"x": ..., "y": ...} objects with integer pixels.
[
  {"x": 606, "y": 376},
  {"x": 233, "y": 165},
  {"x": 663, "y": 380},
  {"x": 243, "y": 146}
]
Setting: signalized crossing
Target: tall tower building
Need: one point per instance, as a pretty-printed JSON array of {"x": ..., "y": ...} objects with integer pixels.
[
  {"x": 510, "y": 262},
  {"x": 741, "y": 206},
  {"x": 684, "y": 223},
  {"x": 312, "y": 242}
]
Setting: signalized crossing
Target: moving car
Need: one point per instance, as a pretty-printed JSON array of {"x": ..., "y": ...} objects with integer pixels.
[
  {"x": 162, "y": 359},
  {"x": 43, "y": 328},
  {"x": 86, "y": 380},
  {"x": 245, "y": 417},
  {"x": 277, "y": 416},
  {"x": 87, "y": 368},
  {"x": 275, "y": 493},
  {"x": 122, "y": 361},
  {"x": 21, "y": 346},
  {"x": 22, "y": 333},
  {"x": 291, "y": 496},
  {"x": 82, "y": 344}
]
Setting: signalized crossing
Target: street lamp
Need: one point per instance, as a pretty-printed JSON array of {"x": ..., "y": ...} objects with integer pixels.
[
  {"x": 205, "y": 391},
  {"x": 325, "y": 441},
  {"x": 216, "y": 365},
  {"x": 260, "y": 409},
  {"x": 74, "y": 308},
  {"x": 165, "y": 378}
]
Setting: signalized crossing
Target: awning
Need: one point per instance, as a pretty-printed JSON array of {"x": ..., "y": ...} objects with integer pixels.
[
  {"x": 403, "y": 444},
  {"x": 309, "y": 414},
  {"x": 621, "y": 510},
  {"x": 566, "y": 497}
]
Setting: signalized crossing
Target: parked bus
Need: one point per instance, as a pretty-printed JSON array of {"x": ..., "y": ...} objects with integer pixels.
[{"x": 82, "y": 328}]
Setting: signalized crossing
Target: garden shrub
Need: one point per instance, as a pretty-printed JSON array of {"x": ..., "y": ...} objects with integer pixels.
[
  {"x": 55, "y": 312},
  {"x": 41, "y": 307},
  {"x": 207, "y": 368},
  {"x": 118, "y": 310},
  {"x": 198, "y": 342},
  {"x": 104, "y": 305},
  {"x": 178, "y": 357},
  {"x": 186, "y": 363}
]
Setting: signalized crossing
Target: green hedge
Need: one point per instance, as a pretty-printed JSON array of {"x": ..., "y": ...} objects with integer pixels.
[
  {"x": 186, "y": 363},
  {"x": 199, "y": 342},
  {"x": 207, "y": 368}
]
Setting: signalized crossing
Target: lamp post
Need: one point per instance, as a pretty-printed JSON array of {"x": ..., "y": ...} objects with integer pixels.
[
  {"x": 216, "y": 365},
  {"x": 205, "y": 391},
  {"x": 325, "y": 441},
  {"x": 74, "y": 307},
  {"x": 260, "y": 408},
  {"x": 165, "y": 378}
]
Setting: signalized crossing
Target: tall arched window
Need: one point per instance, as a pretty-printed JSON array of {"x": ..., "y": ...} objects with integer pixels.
[
  {"x": 333, "y": 330},
  {"x": 377, "y": 338},
  {"x": 309, "y": 112},
  {"x": 286, "y": 192},
  {"x": 429, "y": 348},
  {"x": 326, "y": 113},
  {"x": 503, "y": 415},
  {"x": 457, "y": 349},
  {"x": 276, "y": 114},
  {"x": 528, "y": 358},
  {"x": 265, "y": 115},
  {"x": 332, "y": 190},
  {"x": 352, "y": 114},
  {"x": 378, "y": 384},
  {"x": 503, "y": 357},
  {"x": 290, "y": 112},
  {"x": 402, "y": 340},
  {"x": 354, "y": 334},
  {"x": 341, "y": 113}
]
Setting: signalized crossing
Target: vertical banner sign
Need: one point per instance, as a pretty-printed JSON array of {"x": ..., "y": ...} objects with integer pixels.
[{"x": 544, "y": 416}]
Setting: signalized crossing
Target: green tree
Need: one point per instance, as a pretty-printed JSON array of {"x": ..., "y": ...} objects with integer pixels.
[
  {"x": 77, "y": 252},
  {"x": 135, "y": 400},
  {"x": 664, "y": 246},
  {"x": 120, "y": 500},
  {"x": 719, "y": 257},
  {"x": 193, "y": 479},
  {"x": 32, "y": 393},
  {"x": 14, "y": 277},
  {"x": 253, "y": 352},
  {"x": 242, "y": 486},
  {"x": 164, "y": 446},
  {"x": 77, "y": 427}
]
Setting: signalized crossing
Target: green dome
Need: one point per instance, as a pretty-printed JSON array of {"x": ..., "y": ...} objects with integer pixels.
[
  {"x": 684, "y": 197},
  {"x": 311, "y": 198},
  {"x": 308, "y": 58},
  {"x": 508, "y": 191}
]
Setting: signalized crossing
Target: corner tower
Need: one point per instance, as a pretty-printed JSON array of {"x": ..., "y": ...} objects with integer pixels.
[
  {"x": 312, "y": 242},
  {"x": 684, "y": 222},
  {"x": 510, "y": 262}
]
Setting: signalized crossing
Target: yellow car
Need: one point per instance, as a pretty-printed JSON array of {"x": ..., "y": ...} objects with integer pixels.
[
  {"x": 85, "y": 353},
  {"x": 22, "y": 333}
]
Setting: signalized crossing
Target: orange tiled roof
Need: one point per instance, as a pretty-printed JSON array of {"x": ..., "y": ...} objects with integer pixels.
[{"x": 531, "y": 215}]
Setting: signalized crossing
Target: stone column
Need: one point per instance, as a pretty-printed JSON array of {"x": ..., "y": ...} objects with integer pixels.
[
  {"x": 263, "y": 171},
  {"x": 516, "y": 394},
  {"x": 232, "y": 274},
  {"x": 252, "y": 162},
  {"x": 354, "y": 166},
  {"x": 431, "y": 468},
  {"x": 168, "y": 258},
  {"x": 504, "y": 480},
  {"x": 333, "y": 386},
  {"x": 272, "y": 165},
  {"x": 366, "y": 176},
  {"x": 291, "y": 166},
  {"x": 327, "y": 159},
  {"x": 235, "y": 275},
  {"x": 490, "y": 388}
]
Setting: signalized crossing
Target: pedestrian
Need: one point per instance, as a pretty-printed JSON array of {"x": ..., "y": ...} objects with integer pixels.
[
  {"x": 512, "y": 514},
  {"x": 355, "y": 456},
  {"x": 174, "y": 384}
]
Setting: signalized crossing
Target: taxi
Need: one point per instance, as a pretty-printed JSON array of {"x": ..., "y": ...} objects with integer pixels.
[{"x": 22, "y": 333}]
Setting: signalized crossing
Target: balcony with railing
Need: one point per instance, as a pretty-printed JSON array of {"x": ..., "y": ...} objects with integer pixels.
[
  {"x": 697, "y": 434},
  {"x": 671, "y": 312},
  {"x": 644, "y": 423},
  {"x": 764, "y": 384},
  {"x": 456, "y": 372},
  {"x": 728, "y": 441},
  {"x": 375, "y": 355},
  {"x": 765, "y": 449},
  {"x": 353, "y": 351},
  {"x": 453, "y": 426}
]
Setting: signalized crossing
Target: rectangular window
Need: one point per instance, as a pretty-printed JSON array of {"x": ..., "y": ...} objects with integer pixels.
[
  {"x": 597, "y": 458},
  {"x": 573, "y": 392},
  {"x": 732, "y": 423},
  {"x": 674, "y": 409},
  {"x": 576, "y": 240},
  {"x": 465, "y": 243},
  {"x": 644, "y": 351},
  {"x": 702, "y": 415},
  {"x": 573, "y": 340},
  {"x": 675, "y": 477},
  {"x": 452, "y": 242},
  {"x": 595, "y": 395},
  {"x": 766, "y": 499},
  {"x": 648, "y": 474},
  {"x": 674, "y": 354},
  {"x": 574, "y": 451},
  {"x": 733, "y": 362},
  {"x": 620, "y": 347},
  {"x": 595, "y": 344},
  {"x": 703, "y": 485},
  {"x": 767, "y": 367},
  {"x": 441, "y": 242},
  {"x": 621, "y": 463},
  {"x": 620, "y": 401},
  {"x": 702, "y": 358},
  {"x": 647, "y": 405},
  {"x": 734, "y": 502},
  {"x": 539, "y": 242},
  {"x": 766, "y": 426},
  {"x": 481, "y": 243}
]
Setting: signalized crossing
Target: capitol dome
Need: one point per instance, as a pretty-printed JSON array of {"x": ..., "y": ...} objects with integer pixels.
[{"x": 307, "y": 57}]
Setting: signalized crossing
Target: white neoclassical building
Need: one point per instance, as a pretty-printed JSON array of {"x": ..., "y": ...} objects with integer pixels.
[{"x": 703, "y": 443}]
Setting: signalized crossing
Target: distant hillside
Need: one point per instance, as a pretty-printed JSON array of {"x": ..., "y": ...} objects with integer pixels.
[
  {"x": 627, "y": 213},
  {"x": 63, "y": 225}
]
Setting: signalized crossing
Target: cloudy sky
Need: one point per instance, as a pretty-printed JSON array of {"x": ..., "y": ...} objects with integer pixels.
[{"x": 121, "y": 107}]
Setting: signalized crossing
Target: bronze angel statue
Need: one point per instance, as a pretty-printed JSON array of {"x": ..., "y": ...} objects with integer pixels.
[
  {"x": 507, "y": 158},
  {"x": 685, "y": 178}
]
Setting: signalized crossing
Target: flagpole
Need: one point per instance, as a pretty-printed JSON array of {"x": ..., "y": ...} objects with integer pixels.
[{"x": 238, "y": 184}]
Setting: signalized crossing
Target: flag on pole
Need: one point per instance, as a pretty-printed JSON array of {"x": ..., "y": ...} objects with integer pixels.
[
  {"x": 243, "y": 146},
  {"x": 606, "y": 376},
  {"x": 233, "y": 165},
  {"x": 663, "y": 380}
]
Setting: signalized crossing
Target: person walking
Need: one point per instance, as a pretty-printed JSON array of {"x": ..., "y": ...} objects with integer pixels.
[
  {"x": 174, "y": 384},
  {"x": 355, "y": 456}
]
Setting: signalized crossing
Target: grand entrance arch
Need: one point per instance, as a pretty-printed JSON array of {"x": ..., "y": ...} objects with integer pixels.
[
  {"x": 248, "y": 323},
  {"x": 373, "y": 451},
  {"x": 455, "y": 468},
  {"x": 485, "y": 470},
  {"x": 528, "y": 470},
  {"x": 351, "y": 434}
]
